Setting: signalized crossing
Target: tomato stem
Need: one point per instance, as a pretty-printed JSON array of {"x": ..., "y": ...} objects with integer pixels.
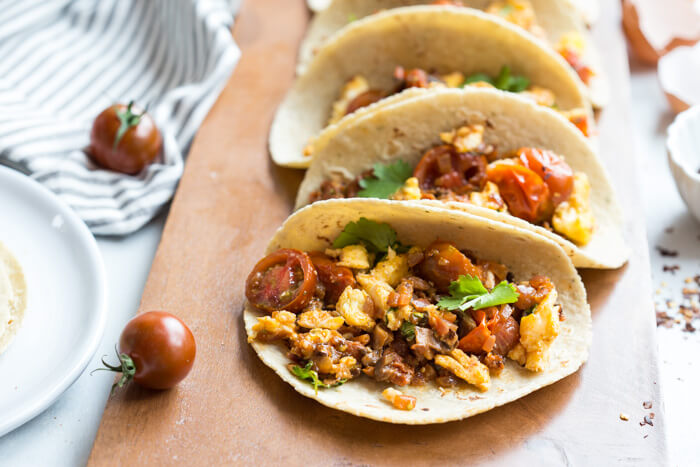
[
  {"x": 127, "y": 119},
  {"x": 126, "y": 367}
]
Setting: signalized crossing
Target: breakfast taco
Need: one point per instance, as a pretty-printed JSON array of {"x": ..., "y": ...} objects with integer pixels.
[
  {"x": 493, "y": 154},
  {"x": 414, "y": 314},
  {"x": 555, "y": 21},
  {"x": 418, "y": 49},
  {"x": 13, "y": 297}
]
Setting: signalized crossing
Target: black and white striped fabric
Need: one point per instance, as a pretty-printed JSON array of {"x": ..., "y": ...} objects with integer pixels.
[{"x": 62, "y": 62}]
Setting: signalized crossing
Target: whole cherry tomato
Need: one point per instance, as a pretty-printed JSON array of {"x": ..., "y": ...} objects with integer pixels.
[
  {"x": 443, "y": 263},
  {"x": 124, "y": 140},
  {"x": 335, "y": 279},
  {"x": 444, "y": 167},
  {"x": 555, "y": 173},
  {"x": 283, "y": 280},
  {"x": 525, "y": 193},
  {"x": 156, "y": 350}
]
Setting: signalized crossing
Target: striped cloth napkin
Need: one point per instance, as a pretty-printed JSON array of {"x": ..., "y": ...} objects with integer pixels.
[{"x": 62, "y": 62}]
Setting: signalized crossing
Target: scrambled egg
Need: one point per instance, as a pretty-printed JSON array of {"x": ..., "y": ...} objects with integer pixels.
[
  {"x": 573, "y": 218},
  {"x": 396, "y": 317},
  {"x": 482, "y": 84},
  {"x": 353, "y": 88},
  {"x": 540, "y": 96},
  {"x": 319, "y": 318},
  {"x": 378, "y": 291},
  {"x": 467, "y": 367},
  {"x": 489, "y": 197},
  {"x": 305, "y": 344},
  {"x": 343, "y": 369},
  {"x": 281, "y": 325},
  {"x": 537, "y": 333},
  {"x": 466, "y": 138},
  {"x": 354, "y": 257},
  {"x": 454, "y": 79},
  {"x": 518, "y": 12},
  {"x": 352, "y": 305},
  {"x": 410, "y": 191},
  {"x": 572, "y": 41},
  {"x": 399, "y": 400},
  {"x": 391, "y": 269}
]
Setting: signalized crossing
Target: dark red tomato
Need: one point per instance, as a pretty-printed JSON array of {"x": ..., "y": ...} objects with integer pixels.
[
  {"x": 124, "y": 140},
  {"x": 444, "y": 167},
  {"x": 534, "y": 292},
  {"x": 444, "y": 263},
  {"x": 525, "y": 193},
  {"x": 157, "y": 350},
  {"x": 283, "y": 280},
  {"x": 504, "y": 328},
  {"x": 479, "y": 340},
  {"x": 364, "y": 99},
  {"x": 555, "y": 173},
  {"x": 334, "y": 278}
]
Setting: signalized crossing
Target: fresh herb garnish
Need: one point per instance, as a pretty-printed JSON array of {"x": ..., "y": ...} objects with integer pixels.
[
  {"x": 408, "y": 330},
  {"x": 386, "y": 180},
  {"x": 375, "y": 236},
  {"x": 468, "y": 292},
  {"x": 309, "y": 375},
  {"x": 505, "y": 81}
]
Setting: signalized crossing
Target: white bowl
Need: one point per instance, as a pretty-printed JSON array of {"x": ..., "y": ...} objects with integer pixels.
[{"x": 683, "y": 147}]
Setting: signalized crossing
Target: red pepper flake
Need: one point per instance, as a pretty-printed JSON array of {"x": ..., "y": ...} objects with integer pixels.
[
  {"x": 646, "y": 421},
  {"x": 646, "y": 436},
  {"x": 663, "y": 319},
  {"x": 690, "y": 292},
  {"x": 688, "y": 327},
  {"x": 647, "y": 404},
  {"x": 672, "y": 269},
  {"x": 666, "y": 252}
]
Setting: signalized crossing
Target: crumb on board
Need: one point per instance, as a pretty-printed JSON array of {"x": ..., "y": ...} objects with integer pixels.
[{"x": 624, "y": 417}]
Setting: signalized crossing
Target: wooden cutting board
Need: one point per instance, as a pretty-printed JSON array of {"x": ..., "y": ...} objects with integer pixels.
[{"x": 234, "y": 410}]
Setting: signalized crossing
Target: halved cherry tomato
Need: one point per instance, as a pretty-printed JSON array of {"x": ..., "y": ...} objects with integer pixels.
[
  {"x": 555, "y": 173},
  {"x": 525, "y": 193},
  {"x": 334, "y": 278},
  {"x": 283, "y": 280},
  {"x": 364, "y": 99},
  {"x": 444, "y": 263},
  {"x": 444, "y": 167}
]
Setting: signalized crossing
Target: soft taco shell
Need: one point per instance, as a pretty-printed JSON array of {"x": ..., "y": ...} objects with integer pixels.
[
  {"x": 556, "y": 17},
  {"x": 407, "y": 128},
  {"x": 526, "y": 254},
  {"x": 13, "y": 297},
  {"x": 433, "y": 38}
]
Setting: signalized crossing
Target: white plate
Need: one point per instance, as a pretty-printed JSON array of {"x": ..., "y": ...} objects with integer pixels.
[{"x": 66, "y": 292}]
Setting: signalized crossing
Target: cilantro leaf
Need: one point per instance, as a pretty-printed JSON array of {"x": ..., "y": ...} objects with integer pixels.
[
  {"x": 386, "y": 181},
  {"x": 375, "y": 236},
  {"x": 505, "y": 81},
  {"x": 309, "y": 375},
  {"x": 408, "y": 330},
  {"x": 468, "y": 292}
]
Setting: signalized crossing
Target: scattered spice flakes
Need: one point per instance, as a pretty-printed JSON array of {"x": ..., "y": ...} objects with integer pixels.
[
  {"x": 647, "y": 421},
  {"x": 647, "y": 404},
  {"x": 688, "y": 327},
  {"x": 646, "y": 436},
  {"x": 624, "y": 417},
  {"x": 663, "y": 319},
  {"x": 689, "y": 292},
  {"x": 666, "y": 252},
  {"x": 672, "y": 268}
]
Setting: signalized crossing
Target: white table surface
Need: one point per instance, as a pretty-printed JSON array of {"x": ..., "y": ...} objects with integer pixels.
[{"x": 63, "y": 435}]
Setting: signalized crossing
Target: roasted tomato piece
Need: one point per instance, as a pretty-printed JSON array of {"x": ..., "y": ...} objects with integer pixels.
[
  {"x": 534, "y": 292},
  {"x": 364, "y": 99},
  {"x": 525, "y": 193},
  {"x": 555, "y": 173},
  {"x": 479, "y": 340},
  {"x": 444, "y": 167},
  {"x": 576, "y": 62},
  {"x": 283, "y": 280},
  {"x": 504, "y": 328},
  {"x": 334, "y": 278},
  {"x": 444, "y": 263}
]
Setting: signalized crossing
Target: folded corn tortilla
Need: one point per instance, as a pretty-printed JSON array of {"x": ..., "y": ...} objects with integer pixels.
[{"x": 523, "y": 252}]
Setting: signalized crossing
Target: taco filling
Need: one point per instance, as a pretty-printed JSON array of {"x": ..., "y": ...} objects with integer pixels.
[
  {"x": 571, "y": 46},
  {"x": 371, "y": 307},
  {"x": 532, "y": 184},
  {"x": 358, "y": 93}
]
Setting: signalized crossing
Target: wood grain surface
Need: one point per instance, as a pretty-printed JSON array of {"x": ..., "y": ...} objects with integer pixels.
[{"x": 233, "y": 410}]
